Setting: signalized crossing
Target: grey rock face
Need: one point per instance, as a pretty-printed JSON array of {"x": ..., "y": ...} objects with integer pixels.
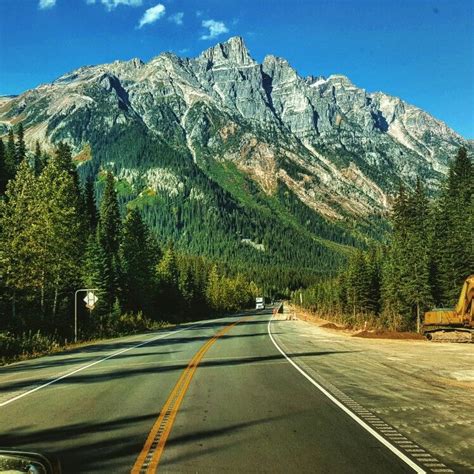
[{"x": 338, "y": 147}]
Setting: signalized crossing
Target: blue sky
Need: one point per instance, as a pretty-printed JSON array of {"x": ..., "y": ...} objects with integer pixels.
[{"x": 421, "y": 51}]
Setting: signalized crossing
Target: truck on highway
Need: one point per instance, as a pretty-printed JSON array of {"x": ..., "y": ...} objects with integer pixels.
[{"x": 260, "y": 302}]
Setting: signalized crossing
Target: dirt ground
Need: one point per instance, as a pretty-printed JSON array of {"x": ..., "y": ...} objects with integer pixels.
[{"x": 372, "y": 334}]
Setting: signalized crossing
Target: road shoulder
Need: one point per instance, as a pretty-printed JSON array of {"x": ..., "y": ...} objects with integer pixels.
[{"x": 422, "y": 390}]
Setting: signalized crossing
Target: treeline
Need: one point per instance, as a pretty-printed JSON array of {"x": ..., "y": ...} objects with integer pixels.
[
  {"x": 55, "y": 240},
  {"x": 428, "y": 256}
]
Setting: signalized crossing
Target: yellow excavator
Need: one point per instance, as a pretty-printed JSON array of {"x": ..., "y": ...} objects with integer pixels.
[{"x": 453, "y": 325}]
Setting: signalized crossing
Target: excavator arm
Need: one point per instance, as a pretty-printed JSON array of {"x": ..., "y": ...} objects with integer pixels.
[
  {"x": 465, "y": 306},
  {"x": 456, "y": 325}
]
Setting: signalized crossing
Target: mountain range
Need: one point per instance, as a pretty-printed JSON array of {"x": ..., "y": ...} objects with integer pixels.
[{"x": 261, "y": 147}]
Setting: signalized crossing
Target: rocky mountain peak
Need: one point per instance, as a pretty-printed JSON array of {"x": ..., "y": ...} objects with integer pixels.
[
  {"x": 340, "y": 80},
  {"x": 232, "y": 51},
  {"x": 315, "y": 81},
  {"x": 339, "y": 148},
  {"x": 271, "y": 61},
  {"x": 136, "y": 62},
  {"x": 279, "y": 69}
]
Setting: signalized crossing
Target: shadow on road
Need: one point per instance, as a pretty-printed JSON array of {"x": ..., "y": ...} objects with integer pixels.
[
  {"x": 83, "y": 447},
  {"x": 65, "y": 360},
  {"x": 203, "y": 435},
  {"x": 111, "y": 445},
  {"x": 96, "y": 350},
  {"x": 91, "y": 377}
]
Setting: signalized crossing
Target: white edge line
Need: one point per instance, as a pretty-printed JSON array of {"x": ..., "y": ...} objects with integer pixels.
[
  {"x": 84, "y": 367},
  {"x": 361, "y": 422}
]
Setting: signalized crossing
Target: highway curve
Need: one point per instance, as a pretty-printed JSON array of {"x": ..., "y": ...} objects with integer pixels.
[{"x": 214, "y": 396}]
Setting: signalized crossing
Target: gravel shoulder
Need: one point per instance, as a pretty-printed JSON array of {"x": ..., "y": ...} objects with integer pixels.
[{"x": 425, "y": 390}]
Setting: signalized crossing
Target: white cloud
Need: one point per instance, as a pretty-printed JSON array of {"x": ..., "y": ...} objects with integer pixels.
[
  {"x": 111, "y": 4},
  {"x": 152, "y": 14},
  {"x": 198, "y": 13},
  {"x": 215, "y": 28},
  {"x": 177, "y": 18},
  {"x": 45, "y": 4}
]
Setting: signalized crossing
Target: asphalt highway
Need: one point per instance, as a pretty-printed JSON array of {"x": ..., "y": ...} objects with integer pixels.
[{"x": 213, "y": 396}]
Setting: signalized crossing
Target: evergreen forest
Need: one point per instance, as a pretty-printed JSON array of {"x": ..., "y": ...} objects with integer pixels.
[
  {"x": 56, "y": 239},
  {"x": 428, "y": 255}
]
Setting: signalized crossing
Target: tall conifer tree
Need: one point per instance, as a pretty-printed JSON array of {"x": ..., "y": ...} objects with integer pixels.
[
  {"x": 38, "y": 164},
  {"x": 19, "y": 262},
  {"x": 168, "y": 280},
  {"x": 417, "y": 286},
  {"x": 109, "y": 221},
  {"x": 108, "y": 233},
  {"x": 453, "y": 246},
  {"x": 3, "y": 168},
  {"x": 214, "y": 289},
  {"x": 10, "y": 156},
  {"x": 60, "y": 229},
  {"x": 90, "y": 204},
  {"x": 137, "y": 263},
  {"x": 20, "y": 151}
]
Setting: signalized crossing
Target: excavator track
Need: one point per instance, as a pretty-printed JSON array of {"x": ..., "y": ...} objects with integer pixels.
[{"x": 442, "y": 335}]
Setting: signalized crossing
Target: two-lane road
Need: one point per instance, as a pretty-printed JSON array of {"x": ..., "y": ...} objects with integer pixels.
[{"x": 216, "y": 396}]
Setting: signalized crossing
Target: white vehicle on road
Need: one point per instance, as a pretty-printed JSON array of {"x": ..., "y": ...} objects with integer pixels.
[{"x": 260, "y": 302}]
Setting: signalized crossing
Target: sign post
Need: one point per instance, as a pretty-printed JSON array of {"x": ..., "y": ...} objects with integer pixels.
[{"x": 90, "y": 300}]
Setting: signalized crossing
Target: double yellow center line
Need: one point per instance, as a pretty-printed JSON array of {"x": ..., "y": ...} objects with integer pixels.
[{"x": 149, "y": 457}]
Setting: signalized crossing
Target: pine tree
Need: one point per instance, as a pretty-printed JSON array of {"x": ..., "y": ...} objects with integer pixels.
[
  {"x": 92, "y": 215},
  {"x": 109, "y": 219},
  {"x": 214, "y": 290},
  {"x": 396, "y": 269},
  {"x": 60, "y": 230},
  {"x": 20, "y": 151},
  {"x": 10, "y": 156},
  {"x": 38, "y": 163},
  {"x": 439, "y": 228},
  {"x": 453, "y": 244},
  {"x": 19, "y": 265},
  {"x": 374, "y": 271},
  {"x": 167, "y": 274},
  {"x": 400, "y": 211},
  {"x": 41, "y": 238},
  {"x": 417, "y": 287},
  {"x": 63, "y": 157},
  {"x": 108, "y": 234},
  {"x": 186, "y": 285},
  {"x": 461, "y": 184},
  {"x": 3, "y": 169},
  {"x": 167, "y": 269},
  {"x": 137, "y": 264},
  {"x": 358, "y": 281},
  {"x": 98, "y": 273}
]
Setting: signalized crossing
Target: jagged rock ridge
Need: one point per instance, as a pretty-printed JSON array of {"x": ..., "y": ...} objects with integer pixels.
[{"x": 340, "y": 149}]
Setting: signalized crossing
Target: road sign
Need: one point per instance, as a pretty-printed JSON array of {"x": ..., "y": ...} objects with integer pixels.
[{"x": 90, "y": 300}]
